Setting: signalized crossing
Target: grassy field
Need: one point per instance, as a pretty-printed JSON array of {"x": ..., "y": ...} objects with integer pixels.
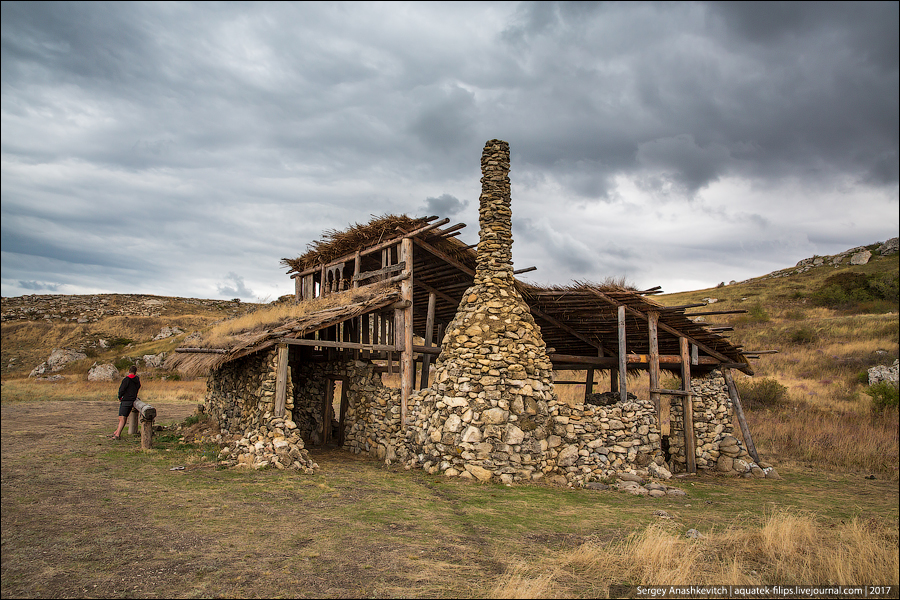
[{"x": 84, "y": 516}]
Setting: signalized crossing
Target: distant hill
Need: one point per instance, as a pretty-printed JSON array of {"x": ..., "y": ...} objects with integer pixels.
[{"x": 107, "y": 327}]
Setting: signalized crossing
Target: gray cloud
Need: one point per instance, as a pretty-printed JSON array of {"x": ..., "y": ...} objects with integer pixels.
[
  {"x": 235, "y": 288},
  {"x": 154, "y": 144},
  {"x": 445, "y": 205}
]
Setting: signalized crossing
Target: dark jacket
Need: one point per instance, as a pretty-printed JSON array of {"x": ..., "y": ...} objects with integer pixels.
[{"x": 128, "y": 389}]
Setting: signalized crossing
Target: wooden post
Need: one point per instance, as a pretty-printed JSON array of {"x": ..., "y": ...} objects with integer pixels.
[
  {"x": 429, "y": 334},
  {"x": 298, "y": 289},
  {"x": 739, "y": 411},
  {"x": 281, "y": 373},
  {"x": 148, "y": 414},
  {"x": 322, "y": 281},
  {"x": 687, "y": 404},
  {"x": 355, "y": 269},
  {"x": 146, "y": 434},
  {"x": 662, "y": 411},
  {"x": 407, "y": 371},
  {"x": 133, "y": 422},
  {"x": 623, "y": 366}
]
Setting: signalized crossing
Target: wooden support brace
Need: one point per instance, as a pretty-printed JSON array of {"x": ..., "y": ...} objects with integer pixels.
[
  {"x": 407, "y": 370},
  {"x": 281, "y": 374},
  {"x": 687, "y": 403},
  {"x": 429, "y": 334},
  {"x": 623, "y": 367},
  {"x": 663, "y": 409},
  {"x": 739, "y": 412}
]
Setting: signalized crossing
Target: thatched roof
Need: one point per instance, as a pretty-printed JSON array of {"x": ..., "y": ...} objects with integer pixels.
[
  {"x": 215, "y": 350},
  {"x": 336, "y": 243}
]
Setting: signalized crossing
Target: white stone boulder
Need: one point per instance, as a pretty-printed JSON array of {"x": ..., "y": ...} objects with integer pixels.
[{"x": 107, "y": 372}]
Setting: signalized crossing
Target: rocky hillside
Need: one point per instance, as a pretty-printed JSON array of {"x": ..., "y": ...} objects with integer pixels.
[{"x": 100, "y": 328}]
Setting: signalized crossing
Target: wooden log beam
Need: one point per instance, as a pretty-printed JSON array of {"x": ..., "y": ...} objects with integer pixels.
[
  {"x": 525, "y": 270},
  {"x": 281, "y": 375},
  {"x": 739, "y": 412},
  {"x": 662, "y": 412},
  {"x": 687, "y": 403},
  {"x": 665, "y": 327},
  {"x": 443, "y": 256},
  {"x": 383, "y": 271},
  {"x": 670, "y": 392},
  {"x": 341, "y": 345},
  {"x": 623, "y": 365},
  {"x": 429, "y": 334},
  {"x": 407, "y": 369},
  {"x": 146, "y": 411}
]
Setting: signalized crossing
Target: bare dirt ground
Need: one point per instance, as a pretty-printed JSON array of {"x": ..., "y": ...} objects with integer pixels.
[{"x": 84, "y": 516}]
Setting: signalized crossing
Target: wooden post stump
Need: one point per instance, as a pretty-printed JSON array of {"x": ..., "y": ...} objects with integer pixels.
[{"x": 148, "y": 414}]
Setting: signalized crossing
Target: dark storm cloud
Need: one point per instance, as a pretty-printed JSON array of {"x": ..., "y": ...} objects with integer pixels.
[
  {"x": 446, "y": 205},
  {"x": 191, "y": 140}
]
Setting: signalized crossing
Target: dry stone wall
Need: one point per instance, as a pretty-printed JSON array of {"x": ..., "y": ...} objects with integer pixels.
[
  {"x": 717, "y": 448},
  {"x": 241, "y": 401}
]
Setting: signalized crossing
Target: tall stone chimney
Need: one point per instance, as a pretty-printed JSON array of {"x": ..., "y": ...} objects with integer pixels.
[{"x": 486, "y": 415}]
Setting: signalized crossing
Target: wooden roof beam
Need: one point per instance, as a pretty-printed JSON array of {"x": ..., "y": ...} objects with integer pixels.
[{"x": 666, "y": 328}]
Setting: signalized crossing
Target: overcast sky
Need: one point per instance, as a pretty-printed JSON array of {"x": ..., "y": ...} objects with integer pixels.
[{"x": 184, "y": 149}]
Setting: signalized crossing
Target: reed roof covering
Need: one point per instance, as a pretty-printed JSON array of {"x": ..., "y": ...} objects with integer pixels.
[{"x": 339, "y": 242}]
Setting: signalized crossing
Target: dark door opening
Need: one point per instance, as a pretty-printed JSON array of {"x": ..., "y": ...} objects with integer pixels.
[{"x": 334, "y": 412}]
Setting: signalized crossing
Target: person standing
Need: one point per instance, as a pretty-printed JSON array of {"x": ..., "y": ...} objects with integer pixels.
[{"x": 128, "y": 391}]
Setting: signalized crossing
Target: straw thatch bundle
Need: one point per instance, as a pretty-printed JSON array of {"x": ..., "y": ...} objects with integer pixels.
[{"x": 337, "y": 243}]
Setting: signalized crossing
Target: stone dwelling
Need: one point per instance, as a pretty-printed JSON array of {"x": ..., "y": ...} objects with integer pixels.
[{"x": 472, "y": 357}]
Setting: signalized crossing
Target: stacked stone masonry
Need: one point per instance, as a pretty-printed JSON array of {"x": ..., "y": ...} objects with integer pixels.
[{"x": 491, "y": 413}]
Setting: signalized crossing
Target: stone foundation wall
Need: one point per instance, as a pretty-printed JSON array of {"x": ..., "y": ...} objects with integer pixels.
[{"x": 241, "y": 400}]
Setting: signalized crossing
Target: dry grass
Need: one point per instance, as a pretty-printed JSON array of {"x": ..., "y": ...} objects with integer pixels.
[
  {"x": 222, "y": 334},
  {"x": 29, "y": 390},
  {"x": 789, "y": 548}
]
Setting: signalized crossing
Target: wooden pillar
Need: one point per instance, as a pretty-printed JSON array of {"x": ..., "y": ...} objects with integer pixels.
[
  {"x": 323, "y": 281},
  {"x": 298, "y": 289},
  {"x": 146, "y": 434},
  {"x": 407, "y": 370},
  {"x": 623, "y": 365},
  {"x": 429, "y": 334},
  {"x": 739, "y": 412},
  {"x": 133, "y": 422},
  {"x": 355, "y": 269},
  {"x": 687, "y": 404},
  {"x": 663, "y": 409},
  {"x": 281, "y": 375}
]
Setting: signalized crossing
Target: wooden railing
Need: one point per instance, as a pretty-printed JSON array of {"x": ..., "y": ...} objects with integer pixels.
[{"x": 146, "y": 414}]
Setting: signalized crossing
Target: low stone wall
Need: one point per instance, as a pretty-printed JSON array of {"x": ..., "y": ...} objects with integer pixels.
[
  {"x": 241, "y": 400},
  {"x": 240, "y": 393},
  {"x": 592, "y": 443}
]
